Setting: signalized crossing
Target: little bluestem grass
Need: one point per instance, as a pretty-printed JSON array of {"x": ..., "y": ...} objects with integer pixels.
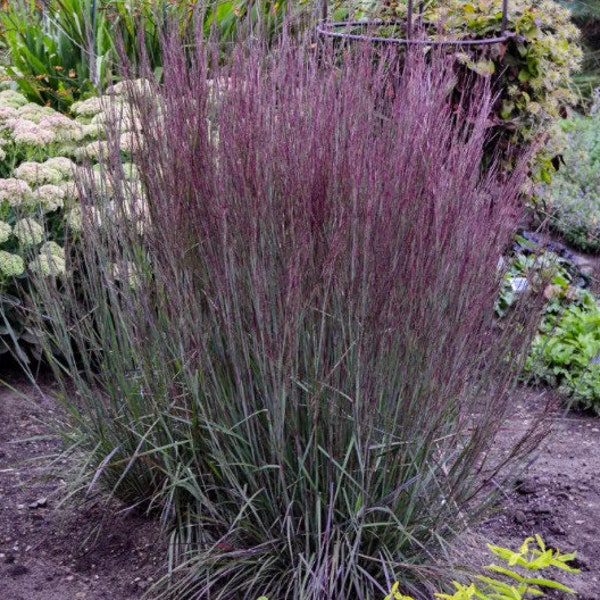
[{"x": 292, "y": 361}]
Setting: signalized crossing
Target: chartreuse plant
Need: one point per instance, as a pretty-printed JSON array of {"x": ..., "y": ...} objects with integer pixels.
[{"x": 519, "y": 579}]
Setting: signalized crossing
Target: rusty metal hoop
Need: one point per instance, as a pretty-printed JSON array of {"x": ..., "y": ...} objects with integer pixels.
[{"x": 332, "y": 29}]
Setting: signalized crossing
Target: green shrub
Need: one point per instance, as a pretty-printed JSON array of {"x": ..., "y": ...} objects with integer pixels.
[
  {"x": 537, "y": 271},
  {"x": 573, "y": 199},
  {"x": 566, "y": 352},
  {"x": 229, "y": 18},
  {"x": 586, "y": 15}
]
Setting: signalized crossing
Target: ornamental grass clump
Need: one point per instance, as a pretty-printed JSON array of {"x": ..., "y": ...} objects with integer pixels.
[{"x": 292, "y": 362}]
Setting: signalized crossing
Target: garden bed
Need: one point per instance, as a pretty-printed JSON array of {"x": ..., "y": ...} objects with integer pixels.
[{"x": 255, "y": 336}]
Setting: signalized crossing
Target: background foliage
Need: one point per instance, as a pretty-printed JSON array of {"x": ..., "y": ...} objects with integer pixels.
[
  {"x": 531, "y": 70},
  {"x": 586, "y": 15},
  {"x": 60, "y": 51},
  {"x": 572, "y": 202},
  {"x": 566, "y": 352}
]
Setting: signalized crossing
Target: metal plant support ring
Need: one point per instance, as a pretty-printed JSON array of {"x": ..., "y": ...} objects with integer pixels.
[{"x": 332, "y": 29}]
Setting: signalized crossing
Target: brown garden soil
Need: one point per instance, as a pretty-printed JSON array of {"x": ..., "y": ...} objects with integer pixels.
[
  {"x": 53, "y": 551},
  {"x": 92, "y": 551},
  {"x": 557, "y": 496}
]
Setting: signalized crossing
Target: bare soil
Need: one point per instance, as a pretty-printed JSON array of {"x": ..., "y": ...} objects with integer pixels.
[
  {"x": 557, "y": 496},
  {"x": 51, "y": 551}
]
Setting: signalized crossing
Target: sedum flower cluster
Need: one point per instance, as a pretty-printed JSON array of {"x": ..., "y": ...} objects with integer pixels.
[
  {"x": 112, "y": 111},
  {"x": 30, "y": 129},
  {"x": 50, "y": 260},
  {"x": 45, "y": 160},
  {"x": 30, "y": 132},
  {"x": 37, "y": 186},
  {"x": 14, "y": 192},
  {"x": 33, "y": 205},
  {"x": 28, "y": 231},
  {"x": 11, "y": 265},
  {"x": 5, "y": 231}
]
